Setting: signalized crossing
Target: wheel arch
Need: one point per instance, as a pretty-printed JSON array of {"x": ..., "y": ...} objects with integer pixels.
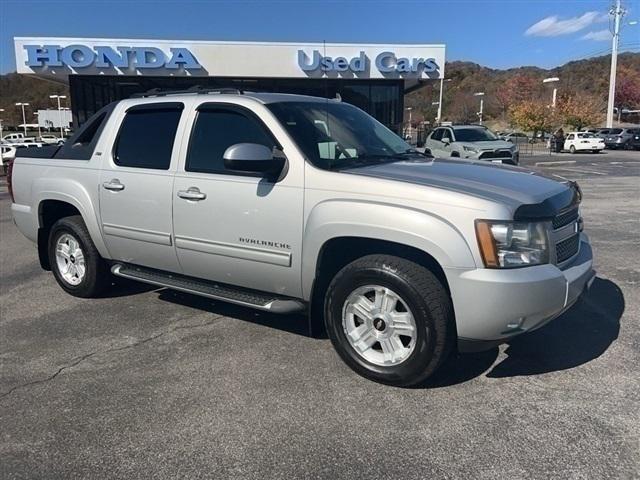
[
  {"x": 338, "y": 232},
  {"x": 340, "y": 251},
  {"x": 58, "y": 201}
]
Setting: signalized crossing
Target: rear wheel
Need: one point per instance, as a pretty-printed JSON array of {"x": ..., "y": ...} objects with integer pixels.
[
  {"x": 389, "y": 319},
  {"x": 75, "y": 261}
]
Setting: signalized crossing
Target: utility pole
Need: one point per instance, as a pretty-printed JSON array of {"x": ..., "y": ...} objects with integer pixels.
[
  {"x": 1, "y": 110},
  {"x": 617, "y": 13}
]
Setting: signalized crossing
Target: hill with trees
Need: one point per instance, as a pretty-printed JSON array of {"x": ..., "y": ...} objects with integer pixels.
[
  {"x": 26, "y": 88},
  {"x": 518, "y": 97},
  {"x": 515, "y": 96}
]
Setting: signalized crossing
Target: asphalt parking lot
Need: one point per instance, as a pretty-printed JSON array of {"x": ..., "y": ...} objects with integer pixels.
[{"x": 150, "y": 383}]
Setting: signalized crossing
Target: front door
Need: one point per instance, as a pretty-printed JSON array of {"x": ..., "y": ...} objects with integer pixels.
[
  {"x": 232, "y": 227},
  {"x": 136, "y": 186}
]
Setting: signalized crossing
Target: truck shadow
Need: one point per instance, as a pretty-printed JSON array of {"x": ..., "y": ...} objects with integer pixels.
[
  {"x": 293, "y": 323},
  {"x": 580, "y": 335}
]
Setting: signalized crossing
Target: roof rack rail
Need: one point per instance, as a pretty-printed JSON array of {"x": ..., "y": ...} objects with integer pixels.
[{"x": 196, "y": 89}]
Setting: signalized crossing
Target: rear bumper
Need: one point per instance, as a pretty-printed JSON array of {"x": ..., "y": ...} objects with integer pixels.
[
  {"x": 25, "y": 220},
  {"x": 492, "y": 306}
]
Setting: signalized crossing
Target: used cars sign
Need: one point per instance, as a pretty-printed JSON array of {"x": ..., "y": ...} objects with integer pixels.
[{"x": 385, "y": 62}]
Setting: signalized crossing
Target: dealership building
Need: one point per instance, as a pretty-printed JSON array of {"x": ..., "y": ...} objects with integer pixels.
[{"x": 373, "y": 77}]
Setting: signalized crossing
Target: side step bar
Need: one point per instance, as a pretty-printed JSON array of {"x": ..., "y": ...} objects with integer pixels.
[{"x": 248, "y": 298}]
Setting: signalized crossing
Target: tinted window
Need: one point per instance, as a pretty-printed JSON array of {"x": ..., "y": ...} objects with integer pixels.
[
  {"x": 146, "y": 138},
  {"x": 215, "y": 130},
  {"x": 615, "y": 131},
  {"x": 437, "y": 135},
  {"x": 474, "y": 135},
  {"x": 446, "y": 133},
  {"x": 82, "y": 144}
]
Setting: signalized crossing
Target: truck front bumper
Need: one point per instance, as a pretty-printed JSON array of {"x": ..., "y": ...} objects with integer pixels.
[{"x": 492, "y": 306}]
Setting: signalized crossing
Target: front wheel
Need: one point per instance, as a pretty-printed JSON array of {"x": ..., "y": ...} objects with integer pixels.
[
  {"x": 572, "y": 149},
  {"x": 389, "y": 319},
  {"x": 76, "y": 264}
]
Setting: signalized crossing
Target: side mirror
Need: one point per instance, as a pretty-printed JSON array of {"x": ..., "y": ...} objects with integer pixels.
[
  {"x": 253, "y": 158},
  {"x": 446, "y": 141}
]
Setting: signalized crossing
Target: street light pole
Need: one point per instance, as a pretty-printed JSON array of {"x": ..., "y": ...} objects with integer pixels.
[
  {"x": 1, "y": 110},
  {"x": 58, "y": 97},
  {"x": 481, "y": 95},
  {"x": 555, "y": 90},
  {"x": 24, "y": 120},
  {"x": 440, "y": 99},
  {"x": 617, "y": 12},
  {"x": 442, "y": 80}
]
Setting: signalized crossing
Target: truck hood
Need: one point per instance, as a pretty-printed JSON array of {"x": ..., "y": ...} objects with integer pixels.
[{"x": 513, "y": 186}]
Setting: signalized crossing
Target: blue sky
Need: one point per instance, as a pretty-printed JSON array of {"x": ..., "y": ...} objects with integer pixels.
[{"x": 497, "y": 33}]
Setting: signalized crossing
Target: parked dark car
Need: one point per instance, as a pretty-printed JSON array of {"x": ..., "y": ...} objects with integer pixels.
[{"x": 634, "y": 142}]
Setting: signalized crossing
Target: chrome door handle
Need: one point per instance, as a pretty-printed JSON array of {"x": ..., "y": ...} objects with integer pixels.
[
  {"x": 192, "y": 193},
  {"x": 113, "y": 185}
]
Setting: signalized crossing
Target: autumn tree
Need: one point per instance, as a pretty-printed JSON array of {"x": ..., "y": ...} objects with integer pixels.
[
  {"x": 532, "y": 116},
  {"x": 580, "y": 110},
  {"x": 517, "y": 89},
  {"x": 628, "y": 88}
]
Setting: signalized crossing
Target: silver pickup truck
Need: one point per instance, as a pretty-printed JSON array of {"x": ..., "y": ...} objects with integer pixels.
[{"x": 288, "y": 203}]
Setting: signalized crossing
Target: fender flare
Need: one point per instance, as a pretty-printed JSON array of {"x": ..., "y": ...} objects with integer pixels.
[
  {"x": 74, "y": 193},
  {"x": 380, "y": 221}
]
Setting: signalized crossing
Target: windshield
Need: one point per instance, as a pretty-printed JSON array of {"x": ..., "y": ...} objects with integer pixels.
[
  {"x": 474, "y": 135},
  {"x": 586, "y": 135},
  {"x": 615, "y": 131},
  {"x": 338, "y": 135}
]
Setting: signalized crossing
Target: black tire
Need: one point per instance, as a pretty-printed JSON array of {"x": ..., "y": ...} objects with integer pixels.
[
  {"x": 423, "y": 294},
  {"x": 455, "y": 154},
  {"x": 97, "y": 276},
  {"x": 572, "y": 149}
]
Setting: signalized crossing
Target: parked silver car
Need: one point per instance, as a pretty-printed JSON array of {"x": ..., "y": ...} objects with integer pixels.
[
  {"x": 619, "y": 137},
  {"x": 471, "y": 141}
]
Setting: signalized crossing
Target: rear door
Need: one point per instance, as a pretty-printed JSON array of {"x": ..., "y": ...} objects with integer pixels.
[{"x": 136, "y": 186}]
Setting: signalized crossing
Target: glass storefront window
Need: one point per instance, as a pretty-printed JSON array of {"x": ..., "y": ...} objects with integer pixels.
[{"x": 380, "y": 98}]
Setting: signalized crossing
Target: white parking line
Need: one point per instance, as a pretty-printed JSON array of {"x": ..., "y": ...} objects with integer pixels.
[
  {"x": 551, "y": 164},
  {"x": 581, "y": 170}
]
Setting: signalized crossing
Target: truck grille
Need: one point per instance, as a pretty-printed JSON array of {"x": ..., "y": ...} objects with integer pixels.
[
  {"x": 565, "y": 218},
  {"x": 567, "y": 248},
  {"x": 494, "y": 154}
]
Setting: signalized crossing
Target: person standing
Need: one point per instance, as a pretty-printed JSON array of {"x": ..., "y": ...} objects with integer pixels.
[{"x": 558, "y": 140}]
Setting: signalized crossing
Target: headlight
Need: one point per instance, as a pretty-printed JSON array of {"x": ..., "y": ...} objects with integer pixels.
[
  {"x": 470, "y": 149},
  {"x": 505, "y": 244}
]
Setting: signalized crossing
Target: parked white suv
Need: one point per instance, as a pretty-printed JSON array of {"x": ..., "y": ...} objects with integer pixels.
[
  {"x": 471, "y": 141},
  {"x": 286, "y": 203}
]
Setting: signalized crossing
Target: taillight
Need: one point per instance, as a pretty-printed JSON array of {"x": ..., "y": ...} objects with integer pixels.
[{"x": 9, "y": 184}]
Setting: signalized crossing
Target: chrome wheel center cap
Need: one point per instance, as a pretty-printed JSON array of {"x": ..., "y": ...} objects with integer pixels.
[{"x": 379, "y": 324}]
